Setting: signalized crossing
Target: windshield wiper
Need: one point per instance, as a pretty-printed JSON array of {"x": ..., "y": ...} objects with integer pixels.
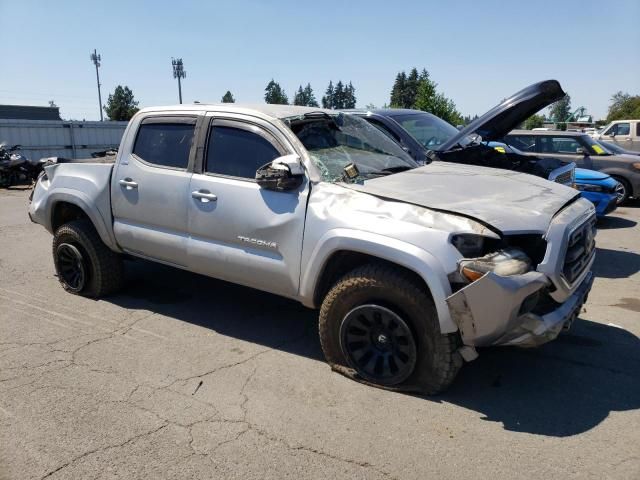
[{"x": 390, "y": 170}]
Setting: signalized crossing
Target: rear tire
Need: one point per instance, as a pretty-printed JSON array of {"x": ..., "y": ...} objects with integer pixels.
[
  {"x": 84, "y": 264},
  {"x": 407, "y": 326}
]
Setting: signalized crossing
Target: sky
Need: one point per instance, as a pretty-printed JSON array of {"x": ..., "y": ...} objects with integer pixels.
[{"x": 477, "y": 51}]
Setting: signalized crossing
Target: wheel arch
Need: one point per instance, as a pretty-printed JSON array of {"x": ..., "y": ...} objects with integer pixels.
[
  {"x": 68, "y": 206},
  {"x": 340, "y": 251}
]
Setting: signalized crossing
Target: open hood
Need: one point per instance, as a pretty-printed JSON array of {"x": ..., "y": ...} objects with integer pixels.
[
  {"x": 508, "y": 201},
  {"x": 511, "y": 112}
]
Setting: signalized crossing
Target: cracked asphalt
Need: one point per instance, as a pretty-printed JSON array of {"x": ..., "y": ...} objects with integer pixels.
[{"x": 181, "y": 376}]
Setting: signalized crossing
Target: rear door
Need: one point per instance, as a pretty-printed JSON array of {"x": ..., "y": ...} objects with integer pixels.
[
  {"x": 240, "y": 232},
  {"x": 562, "y": 147},
  {"x": 150, "y": 189}
]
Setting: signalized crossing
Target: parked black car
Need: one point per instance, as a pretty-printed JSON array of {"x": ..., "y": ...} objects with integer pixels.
[{"x": 426, "y": 137}]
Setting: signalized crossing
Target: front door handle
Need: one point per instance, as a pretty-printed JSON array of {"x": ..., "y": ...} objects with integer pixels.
[
  {"x": 205, "y": 196},
  {"x": 128, "y": 183}
]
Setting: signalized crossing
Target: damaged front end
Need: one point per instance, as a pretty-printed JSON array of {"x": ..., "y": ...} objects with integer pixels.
[{"x": 507, "y": 299}]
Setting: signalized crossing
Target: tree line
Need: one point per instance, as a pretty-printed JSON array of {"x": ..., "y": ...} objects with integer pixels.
[{"x": 414, "y": 90}]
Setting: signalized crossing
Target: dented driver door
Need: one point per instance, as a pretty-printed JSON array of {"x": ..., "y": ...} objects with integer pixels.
[{"x": 238, "y": 231}]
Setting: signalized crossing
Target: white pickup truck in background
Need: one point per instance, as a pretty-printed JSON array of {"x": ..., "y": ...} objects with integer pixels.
[
  {"x": 412, "y": 267},
  {"x": 624, "y": 133}
]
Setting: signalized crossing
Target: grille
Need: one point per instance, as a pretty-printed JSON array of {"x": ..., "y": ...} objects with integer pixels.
[
  {"x": 565, "y": 178},
  {"x": 580, "y": 248}
]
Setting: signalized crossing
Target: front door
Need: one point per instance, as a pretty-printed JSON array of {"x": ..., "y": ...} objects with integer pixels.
[
  {"x": 238, "y": 231},
  {"x": 620, "y": 134},
  {"x": 150, "y": 189}
]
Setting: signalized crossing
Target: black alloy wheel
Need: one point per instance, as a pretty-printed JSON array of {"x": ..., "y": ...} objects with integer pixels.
[
  {"x": 71, "y": 266},
  {"x": 378, "y": 344}
]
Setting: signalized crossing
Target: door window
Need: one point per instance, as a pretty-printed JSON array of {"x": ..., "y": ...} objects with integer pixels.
[
  {"x": 237, "y": 152},
  {"x": 164, "y": 144},
  {"x": 564, "y": 145},
  {"x": 622, "y": 129},
  {"x": 619, "y": 129}
]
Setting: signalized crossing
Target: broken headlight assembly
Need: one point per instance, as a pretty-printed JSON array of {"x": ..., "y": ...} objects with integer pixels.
[{"x": 485, "y": 254}]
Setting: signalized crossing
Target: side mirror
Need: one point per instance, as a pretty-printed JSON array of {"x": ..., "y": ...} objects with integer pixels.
[
  {"x": 581, "y": 151},
  {"x": 281, "y": 175},
  {"x": 612, "y": 133}
]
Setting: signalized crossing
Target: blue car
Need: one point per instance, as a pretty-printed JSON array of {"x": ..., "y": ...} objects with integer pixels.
[{"x": 599, "y": 188}]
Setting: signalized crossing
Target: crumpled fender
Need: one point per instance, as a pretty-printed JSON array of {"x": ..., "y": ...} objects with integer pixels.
[{"x": 386, "y": 248}]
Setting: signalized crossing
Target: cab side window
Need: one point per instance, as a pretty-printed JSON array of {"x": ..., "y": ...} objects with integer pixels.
[
  {"x": 623, "y": 129},
  {"x": 165, "y": 144},
  {"x": 237, "y": 152}
]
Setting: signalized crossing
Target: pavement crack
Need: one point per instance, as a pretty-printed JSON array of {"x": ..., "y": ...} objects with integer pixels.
[{"x": 103, "y": 449}]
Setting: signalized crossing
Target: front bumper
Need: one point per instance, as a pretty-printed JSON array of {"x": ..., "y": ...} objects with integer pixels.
[
  {"x": 497, "y": 310},
  {"x": 604, "y": 202}
]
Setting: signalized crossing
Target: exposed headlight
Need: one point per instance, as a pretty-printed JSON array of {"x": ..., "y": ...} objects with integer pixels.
[
  {"x": 469, "y": 244},
  {"x": 589, "y": 188},
  {"x": 506, "y": 262}
]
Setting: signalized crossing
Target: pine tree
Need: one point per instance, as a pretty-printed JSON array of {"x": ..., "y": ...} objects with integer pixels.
[
  {"x": 397, "y": 92},
  {"x": 411, "y": 89},
  {"x": 338, "y": 95},
  {"x": 228, "y": 98},
  {"x": 350, "y": 96},
  {"x": 309, "y": 97},
  {"x": 327, "y": 100},
  {"x": 299, "y": 98},
  {"x": 274, "y": 94}
]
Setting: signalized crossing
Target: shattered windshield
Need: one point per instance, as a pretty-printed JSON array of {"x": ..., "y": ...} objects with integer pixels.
[
  {"x": 429, "y": 130},
  {"x": 335, "y": 141}
]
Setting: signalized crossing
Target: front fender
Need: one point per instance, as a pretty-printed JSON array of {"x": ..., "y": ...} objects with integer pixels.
[
  {"x": 632, "y": 177},
  {"x": 386, "y": 248}
]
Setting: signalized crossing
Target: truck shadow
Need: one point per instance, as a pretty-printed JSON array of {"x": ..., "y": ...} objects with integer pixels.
[
  {"x": 615, "y": 263},
  {"x": 561, "y": 389},
  {"x": 564, "y": 388},
  {"x": 611, "y": 223}
]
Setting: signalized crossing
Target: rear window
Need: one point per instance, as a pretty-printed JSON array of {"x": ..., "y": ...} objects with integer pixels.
[{"x": 164, "y": 144}]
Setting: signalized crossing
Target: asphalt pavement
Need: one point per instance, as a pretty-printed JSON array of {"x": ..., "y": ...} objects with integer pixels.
[{"x": 182, "y": 376}]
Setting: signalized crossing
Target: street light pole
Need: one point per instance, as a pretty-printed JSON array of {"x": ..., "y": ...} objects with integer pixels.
[
  {"x": 95, "y": 58},
  {"x": 178, "y": 72}
]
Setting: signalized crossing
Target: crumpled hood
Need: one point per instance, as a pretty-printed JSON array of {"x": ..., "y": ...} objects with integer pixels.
[{"x": 509, "y": 201}]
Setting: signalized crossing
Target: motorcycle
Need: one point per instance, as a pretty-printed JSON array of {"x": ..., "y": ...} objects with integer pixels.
[{"x": 15, "y": 168}]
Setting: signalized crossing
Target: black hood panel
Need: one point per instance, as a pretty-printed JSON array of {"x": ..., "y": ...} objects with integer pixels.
[{"x": 512, "y": 111}]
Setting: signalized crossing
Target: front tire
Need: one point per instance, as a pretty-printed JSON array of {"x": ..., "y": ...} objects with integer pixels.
[
  {"x": 84, "y": 264},
  {"x": 379, "y": 326},
  {"x": 623, "y": 190}
]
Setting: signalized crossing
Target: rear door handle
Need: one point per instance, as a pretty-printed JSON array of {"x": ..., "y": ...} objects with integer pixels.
[
  {"x": 205, "y": 196},
  {"x": 128, "y": 183}
]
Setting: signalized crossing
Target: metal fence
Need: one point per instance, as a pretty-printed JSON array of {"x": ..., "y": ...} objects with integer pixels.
[{"x": 47, "y": 138}]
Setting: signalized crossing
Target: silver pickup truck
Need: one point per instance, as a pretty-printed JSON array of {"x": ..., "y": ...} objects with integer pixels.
[{"x": 412, "y": 267}]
